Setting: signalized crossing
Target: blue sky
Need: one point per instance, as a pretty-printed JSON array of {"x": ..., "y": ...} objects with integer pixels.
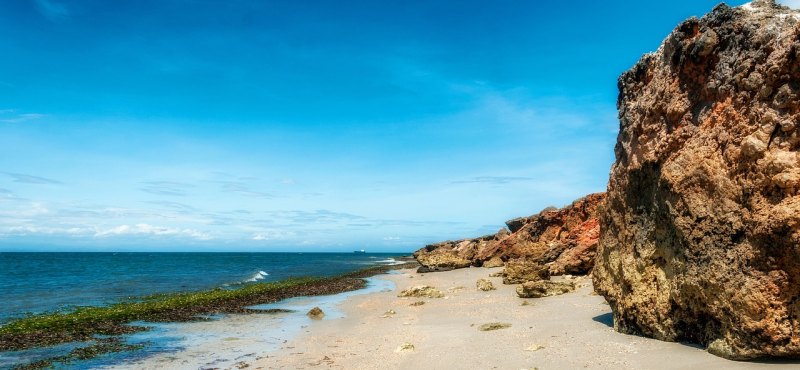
[{"x": 313, "y": 125}]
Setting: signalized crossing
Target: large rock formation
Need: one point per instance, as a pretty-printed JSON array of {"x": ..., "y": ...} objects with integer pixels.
[
  {"x": 564, "y": 240},
  {"x": 700, "y": 234},
  {"x": 457, "y": 254}
]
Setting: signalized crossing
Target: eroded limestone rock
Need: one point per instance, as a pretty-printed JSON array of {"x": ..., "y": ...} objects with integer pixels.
[
  {"x": 484, "y": 285},
  {"x": 424, "y": 291},
  {"x": 700, "y": 234}
]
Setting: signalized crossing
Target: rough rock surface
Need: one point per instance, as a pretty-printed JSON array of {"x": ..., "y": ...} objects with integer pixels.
[
  {"x": 484, "y": 285},
  {"x": 700, "y": 234},
  {"x": 563, "y": 239},
  {"x": 544, "y": 288}
]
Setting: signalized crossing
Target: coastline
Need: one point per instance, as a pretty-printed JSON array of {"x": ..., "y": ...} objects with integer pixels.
[
  {"x": 360, "y": 331},
  {"x": 573, "y": 330},
  {"x": 113, "y": 334}
]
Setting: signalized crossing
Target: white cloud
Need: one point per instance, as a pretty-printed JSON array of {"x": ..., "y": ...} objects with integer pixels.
[
  {"x": 9, "y": 116},
  {"x": 29, "y": 229},
  {"x": 391, "y": 238},
  {"x": 147, "y": 229},
  {"x": 272, "y": 235}
]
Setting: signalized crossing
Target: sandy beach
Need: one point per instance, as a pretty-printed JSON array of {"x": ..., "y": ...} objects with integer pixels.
[
  {"x": 571, "y": 331},
  {"x": 564, "y": 332}
]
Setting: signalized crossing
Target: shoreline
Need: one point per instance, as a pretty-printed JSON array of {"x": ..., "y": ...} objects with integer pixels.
[{"x": 92, "y": 332}]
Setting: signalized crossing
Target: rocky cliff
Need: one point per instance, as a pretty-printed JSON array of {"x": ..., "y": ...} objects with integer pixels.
[
  {"x": 700, "y": 233},
  {"x": 560, "y": 240}
]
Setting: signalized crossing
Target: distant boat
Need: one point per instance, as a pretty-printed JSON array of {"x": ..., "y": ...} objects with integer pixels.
[{"x": 361, "y": 251}]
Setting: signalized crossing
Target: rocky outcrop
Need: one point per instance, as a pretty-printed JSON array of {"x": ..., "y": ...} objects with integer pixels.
[
  {"x": 457, "y": 254},
  {"x": 564, "y": 240},
  {"x": 521, "y": 270},
  {"x": 700, "y": 234}
]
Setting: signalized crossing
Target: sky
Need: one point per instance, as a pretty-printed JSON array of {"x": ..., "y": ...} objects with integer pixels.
[{"x": 238, "y": 125}]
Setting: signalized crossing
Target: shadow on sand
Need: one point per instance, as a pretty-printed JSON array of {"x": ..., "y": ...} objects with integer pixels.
[{"x": 607, "y": 319}]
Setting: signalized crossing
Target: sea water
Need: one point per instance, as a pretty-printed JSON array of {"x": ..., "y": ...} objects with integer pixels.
[{"x": 45, "y": 282}]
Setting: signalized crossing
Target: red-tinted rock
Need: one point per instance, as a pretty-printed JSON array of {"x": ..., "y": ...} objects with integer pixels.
[{"x": 564, "y": 240}]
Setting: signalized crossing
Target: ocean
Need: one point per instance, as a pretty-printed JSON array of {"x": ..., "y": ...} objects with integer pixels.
[{"x": 45, "y": 282}]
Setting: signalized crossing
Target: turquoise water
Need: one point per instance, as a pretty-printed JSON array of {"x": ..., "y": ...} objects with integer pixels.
[{"x": 42, "y": 282}]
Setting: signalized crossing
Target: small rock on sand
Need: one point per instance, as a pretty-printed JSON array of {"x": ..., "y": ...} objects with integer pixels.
[
  {"x": 494, "y": 326},
  {"x": 485, "y": 285},
  {"x": 316, "y": 313},
  {"x": 417, "y": 303},
  {"x": 544, "y": 288},
  {"x": 422, "y": 291},
  {"x": 534, "y": 347},
  {"x": 405, "y": 347}
]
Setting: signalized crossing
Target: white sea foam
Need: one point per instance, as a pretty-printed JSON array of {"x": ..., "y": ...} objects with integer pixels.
[
  {"x": 258, "y": 276},
  {"x": 389, "y": 261}
]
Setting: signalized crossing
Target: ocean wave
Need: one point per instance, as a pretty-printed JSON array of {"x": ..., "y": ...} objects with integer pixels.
[
  {"x": 258, "y": 276},
  {"x": 389, "y": 262}
]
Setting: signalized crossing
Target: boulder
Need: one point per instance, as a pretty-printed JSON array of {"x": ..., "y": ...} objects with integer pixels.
[
  {"x": 521, "y": 270},
  {"x": 495, "y": 261},
  {"x": 441, "y": 259},
  {"x": 544, "y": 288},
  {"x": 316, "y": 313},
  {"x": 700, "y": 233},
  {"x": 516, "y": 224}
]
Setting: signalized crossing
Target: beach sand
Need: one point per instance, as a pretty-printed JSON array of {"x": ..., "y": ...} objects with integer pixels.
[{"x": 571, "y": 331}]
